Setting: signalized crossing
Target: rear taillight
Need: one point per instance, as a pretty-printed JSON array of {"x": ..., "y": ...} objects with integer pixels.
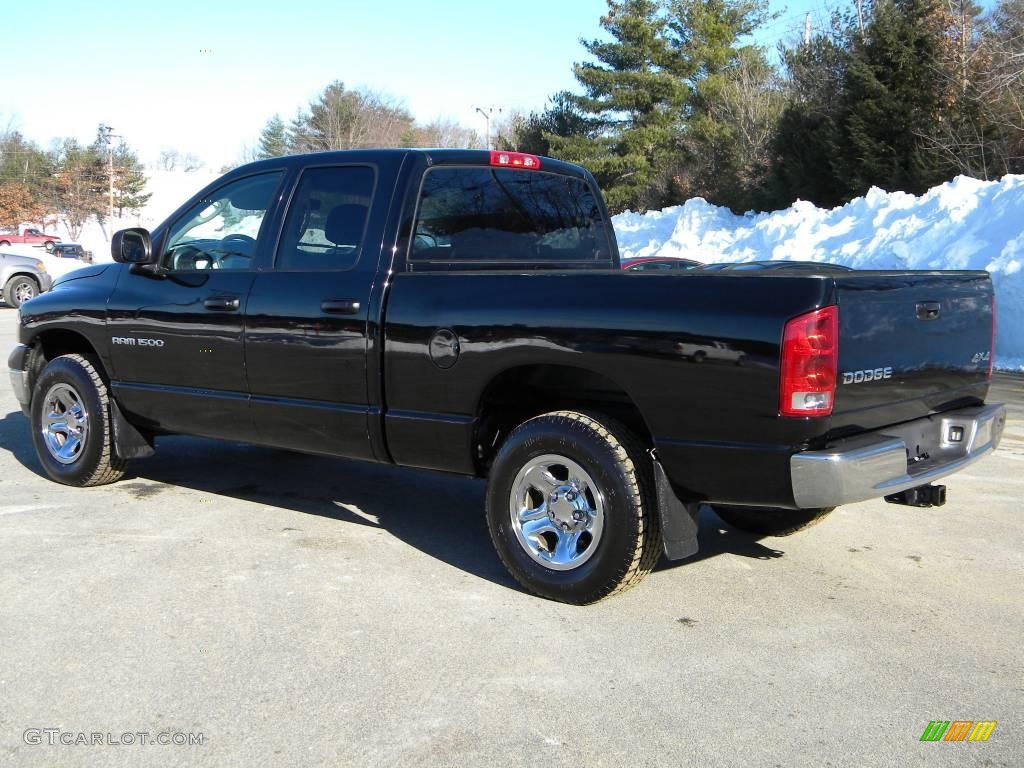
[
  {"x": 515, "y": 160},
  {"x": 810, "y": 355},
  {"x": 992, "y": 346}
]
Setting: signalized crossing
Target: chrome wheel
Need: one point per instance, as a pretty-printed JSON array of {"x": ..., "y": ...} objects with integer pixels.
[
  {"x": 557, "y": 512},
  {"x": 65, "y": 423},
  {"x": 23, "y": 292}
]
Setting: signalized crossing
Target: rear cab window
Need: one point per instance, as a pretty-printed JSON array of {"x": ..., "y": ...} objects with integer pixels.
[{"x": 475, "y": 217}]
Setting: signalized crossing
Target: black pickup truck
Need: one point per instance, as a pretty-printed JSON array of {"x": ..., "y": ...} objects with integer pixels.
[{"x": 464, "y": 311}]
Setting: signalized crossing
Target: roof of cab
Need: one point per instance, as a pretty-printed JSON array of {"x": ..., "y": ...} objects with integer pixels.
[{"x": 432, "y": 157}]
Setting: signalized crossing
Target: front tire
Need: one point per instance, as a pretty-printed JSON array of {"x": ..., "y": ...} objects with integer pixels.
[
  {"x": 571, "y": 507},
  {"x": 71, "y": 424},
  {"x": 770, "y": 521},
  {"x": 19, "y": 290}
]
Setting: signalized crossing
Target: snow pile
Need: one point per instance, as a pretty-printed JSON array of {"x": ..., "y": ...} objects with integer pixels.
[{"x": 963, "y": 224}]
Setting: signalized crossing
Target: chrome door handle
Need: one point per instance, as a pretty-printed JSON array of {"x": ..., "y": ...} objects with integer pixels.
[
  {"x": 222, "y": 304},
  {"x": 340, "y": 306}
]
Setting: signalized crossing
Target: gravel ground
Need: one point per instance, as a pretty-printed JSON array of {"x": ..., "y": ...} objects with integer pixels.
[{"x": 300, "y": 611}]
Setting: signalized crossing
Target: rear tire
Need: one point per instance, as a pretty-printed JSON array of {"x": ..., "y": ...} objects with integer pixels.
[
  {"x": 20, "y": 289},
  {"x": 770, "y": 521},
  {"x": 48, "y": 245},
  {"x": 4, "y": 242},
  {"x": 71, "y": 424},
  {"x": 571, "y": 507}
]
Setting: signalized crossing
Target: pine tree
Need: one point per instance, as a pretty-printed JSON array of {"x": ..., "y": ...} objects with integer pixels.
[
  {"x": 560, "y": 119},
  {"x": 299, "y": 137},
  {"x": 129, "y": 181},
  {"x": 273, "y": 139},
  {"x": 30, "y": 172},
  {"x": 81, "y": 178},
  {"x": 871, "y": 109},
  {"x": 633, "y": 97},
  {"x": 892, "y": 98},
  {"x": 808, "y": 144},
  {"x": 731, "y": 109}
]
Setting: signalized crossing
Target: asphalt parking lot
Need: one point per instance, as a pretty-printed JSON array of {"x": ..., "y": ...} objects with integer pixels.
[{"x": 300, "y": 611}]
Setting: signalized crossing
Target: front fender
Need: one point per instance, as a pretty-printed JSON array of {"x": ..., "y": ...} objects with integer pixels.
[{"x": 76, "y": 304}]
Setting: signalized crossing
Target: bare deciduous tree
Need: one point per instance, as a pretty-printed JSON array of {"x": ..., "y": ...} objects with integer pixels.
[
  {"x": 446, "y": 133},
  {"x": 344, "y": 119},
  {"x": 750, "y": 102}
]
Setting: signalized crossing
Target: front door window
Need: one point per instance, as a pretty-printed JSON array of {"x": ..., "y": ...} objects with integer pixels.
[{"x": 220, "y": 232}]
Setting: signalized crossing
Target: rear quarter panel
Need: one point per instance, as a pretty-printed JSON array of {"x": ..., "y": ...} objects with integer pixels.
[{"x": 712, "y": 419}]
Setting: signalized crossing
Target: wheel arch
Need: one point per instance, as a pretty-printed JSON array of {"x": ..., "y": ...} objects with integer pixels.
[
  {"x": 521, "y": 392},
  {"x": 51, "y": 343},
  {"x": 16, "y": 274},
  {"x": 130, "y": 442},
  {"x": 54, "y": 342}
]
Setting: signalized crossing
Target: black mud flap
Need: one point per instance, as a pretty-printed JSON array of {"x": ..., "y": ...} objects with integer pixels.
[
  {"x": 678, "y": 520},
  {"x": 129, "y": 443}
]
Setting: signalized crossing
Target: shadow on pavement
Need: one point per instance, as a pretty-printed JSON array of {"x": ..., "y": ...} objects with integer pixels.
[
  {"x": 440, "y": 515},
  {"x": 16, "y": 438}
]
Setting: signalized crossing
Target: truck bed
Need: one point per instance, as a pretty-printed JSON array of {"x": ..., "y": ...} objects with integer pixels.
[{"x": 698, "y": 354}]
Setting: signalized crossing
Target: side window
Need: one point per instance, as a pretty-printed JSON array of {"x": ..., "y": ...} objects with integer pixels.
[
  {"x": 220, "y": 232},
  {"x": 327, "y": 219},
  {"x": 505, "y": 215}
]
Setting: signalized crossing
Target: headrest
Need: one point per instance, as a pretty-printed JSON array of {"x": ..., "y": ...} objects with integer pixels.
[{"x": 345, "y": 224}]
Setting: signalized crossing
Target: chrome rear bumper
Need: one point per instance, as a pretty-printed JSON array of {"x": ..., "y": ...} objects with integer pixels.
[{"x": 879, "y": 463}]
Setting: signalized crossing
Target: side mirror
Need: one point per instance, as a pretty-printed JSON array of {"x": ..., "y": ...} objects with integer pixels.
[{"x": 132, "y": 246}]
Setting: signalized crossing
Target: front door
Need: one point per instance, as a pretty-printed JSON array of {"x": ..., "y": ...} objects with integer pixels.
[
  {"x": 176, "y": 333},
  {"x": 306, "y": 323}
]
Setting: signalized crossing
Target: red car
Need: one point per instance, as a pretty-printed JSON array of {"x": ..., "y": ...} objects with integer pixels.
[
  {"x": 29, "y": 236},
  {"x": 659, "y": 263}
]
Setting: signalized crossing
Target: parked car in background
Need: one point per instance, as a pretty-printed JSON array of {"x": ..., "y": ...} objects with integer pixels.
[
  {"x": 659, "y": 263},
  {"x": 72, "y": 251},
  {"x": 22, "y": 278},
  {"x": 28, "y": 236},
  {"x": 819, "y": 267}
]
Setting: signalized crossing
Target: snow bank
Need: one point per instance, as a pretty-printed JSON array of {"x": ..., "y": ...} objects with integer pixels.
[{"x": 964, "y": 224}]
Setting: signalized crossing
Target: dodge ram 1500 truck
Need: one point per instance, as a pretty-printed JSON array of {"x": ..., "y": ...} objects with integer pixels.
[{"x": 464, "y": 311}]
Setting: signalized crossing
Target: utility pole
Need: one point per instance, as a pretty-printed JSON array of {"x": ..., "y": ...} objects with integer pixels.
[
  {"x": 487, "y": 112},
  {"x": 108, "y": 136},
  {"x": 807, "y": 29}
]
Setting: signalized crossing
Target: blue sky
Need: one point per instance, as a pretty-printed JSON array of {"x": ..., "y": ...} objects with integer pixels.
[{"x": 144, "y": 67}]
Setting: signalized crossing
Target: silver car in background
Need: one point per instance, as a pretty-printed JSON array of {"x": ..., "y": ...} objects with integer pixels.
[{"x": 22, "y": 278}]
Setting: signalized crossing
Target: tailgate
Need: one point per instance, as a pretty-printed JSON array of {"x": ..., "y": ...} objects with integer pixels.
[{"x": 910, "y": 344}]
